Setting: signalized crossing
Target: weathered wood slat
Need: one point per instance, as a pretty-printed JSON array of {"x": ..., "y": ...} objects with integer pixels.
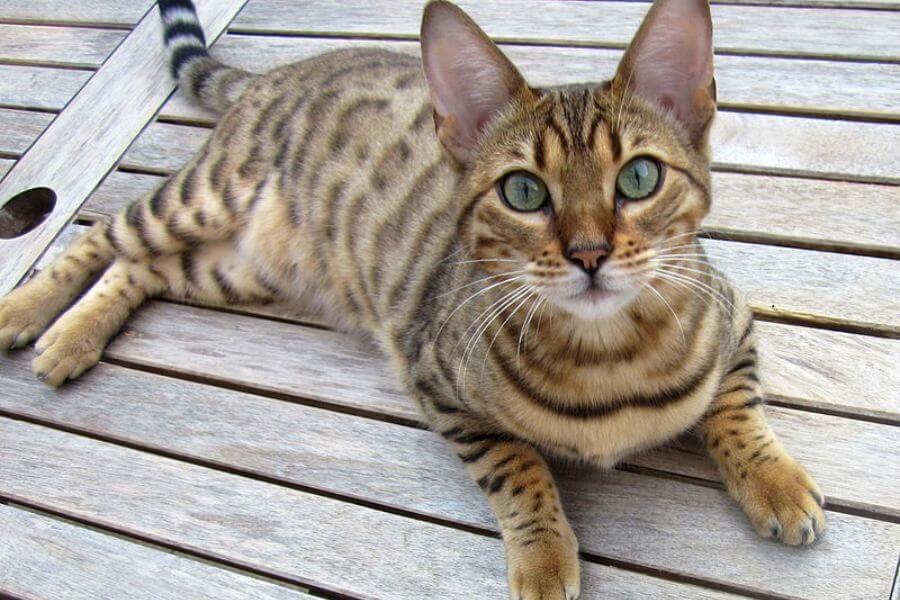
[
  {"x": 42, "y": 557},
  {"x": 122, "y": 96},
  {"x": 94, "y": 12},
  {"x": 300, "y": 536},
  {"x": 5, "y": 165},
  {"x": 19, "y": 129},
  {"x": 820, "y": 287},
  {"x": 830, "y": 370},
  {"x": 39, "y": 87},
  {"x": 100, "y": 406},
  {"x": 782, "y": 85},
  {"x": 738, "y": 29},
  {"x": 60, "y": 46}
]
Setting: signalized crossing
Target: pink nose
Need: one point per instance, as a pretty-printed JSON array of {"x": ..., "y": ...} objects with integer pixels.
[{"x": 591, "y": 258}]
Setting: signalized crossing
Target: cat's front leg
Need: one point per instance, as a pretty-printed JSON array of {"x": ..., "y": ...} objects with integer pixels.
[
  {"x": 541, "y": 548},
  {"x": 779, "y": 497}
]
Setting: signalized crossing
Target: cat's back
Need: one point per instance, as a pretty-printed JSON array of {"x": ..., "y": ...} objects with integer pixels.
[{"x": 357, "y": 192}]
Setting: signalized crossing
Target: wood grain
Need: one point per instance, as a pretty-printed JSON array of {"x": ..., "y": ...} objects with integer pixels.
[
  {"x": 20, "y": 128},
  {"x": 831, "y": 289},
  {"x": 43, "y": 557},
  {"x": 299, "y": 536},
  {"x": 235, "y": 423},
  {"x": 59, "y": 46},
  {"x": 94, "y": 12},
  {"x": 738, "y": 29},
  {"x": 39, "y": 87},
  {"x": 120, "y": 98},
  {"x": 745, "y": 142},
  {"x": 743, "y": 82}
]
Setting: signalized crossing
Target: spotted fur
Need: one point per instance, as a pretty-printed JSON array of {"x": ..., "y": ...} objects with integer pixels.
[{"x": 324, "y": 183}]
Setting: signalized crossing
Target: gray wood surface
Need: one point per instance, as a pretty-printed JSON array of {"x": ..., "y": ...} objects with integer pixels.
[
  {"x": 825, "y": 288},
  {"x": 46, "y": 88},
  {"x": 44, "y": 557},
  {"x": 742, "y": 29},
  {"x": 741, "y": 141},
  {"x": 121, "y": 97},
  {"x": 163, "y": 417},
  {"x": 297, "y": 535},
  {"x": 779, "y": 84},
  {"x": 59, "y": 46},
  {"x": 94, "y": 12}
]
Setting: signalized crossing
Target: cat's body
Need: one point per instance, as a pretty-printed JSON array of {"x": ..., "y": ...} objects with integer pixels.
[{"x": 324, "y": 184}]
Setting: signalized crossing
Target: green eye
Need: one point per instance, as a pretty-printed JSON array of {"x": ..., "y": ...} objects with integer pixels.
[
  {"x": 638, "y": 179},
  {"x": 523, "y": 191}
]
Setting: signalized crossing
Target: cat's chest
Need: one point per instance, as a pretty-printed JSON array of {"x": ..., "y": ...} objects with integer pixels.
[{"x": 603, "y": 415}]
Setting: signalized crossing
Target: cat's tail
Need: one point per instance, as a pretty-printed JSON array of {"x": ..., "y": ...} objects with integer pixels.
[{"x": 210, "y": 83}]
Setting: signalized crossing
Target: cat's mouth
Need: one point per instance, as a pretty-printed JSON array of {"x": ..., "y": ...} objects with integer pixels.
[{"x": 596, "y": 300}]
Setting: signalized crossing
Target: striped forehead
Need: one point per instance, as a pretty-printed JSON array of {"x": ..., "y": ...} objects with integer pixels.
[{"x": 573, "y": 128}]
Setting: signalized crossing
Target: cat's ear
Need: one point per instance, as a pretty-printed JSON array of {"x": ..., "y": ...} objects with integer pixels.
[
  {"x": 470, "y": 80},
  {"x": 669, "y": 63}
]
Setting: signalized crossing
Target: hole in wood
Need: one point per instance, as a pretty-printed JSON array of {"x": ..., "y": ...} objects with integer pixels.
[{"x": 25, "y": 211}]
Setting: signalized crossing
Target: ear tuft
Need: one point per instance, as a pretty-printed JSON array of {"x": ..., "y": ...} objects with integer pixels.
[
  {"x": 470, "y": 79},
  {"x": 669, "y": 63}
]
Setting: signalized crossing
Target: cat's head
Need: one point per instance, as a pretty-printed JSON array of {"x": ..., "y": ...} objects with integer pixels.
[{"x": 583, "y": 192}]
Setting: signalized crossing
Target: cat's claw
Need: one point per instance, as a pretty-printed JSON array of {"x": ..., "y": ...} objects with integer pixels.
[{"x": 782, "y": 502}]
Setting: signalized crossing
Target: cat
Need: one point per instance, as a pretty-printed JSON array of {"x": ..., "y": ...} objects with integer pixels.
[{"x": 527, "y": 257}]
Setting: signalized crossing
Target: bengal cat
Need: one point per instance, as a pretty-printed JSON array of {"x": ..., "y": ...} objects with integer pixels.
[{"x": 526, "y": 256}]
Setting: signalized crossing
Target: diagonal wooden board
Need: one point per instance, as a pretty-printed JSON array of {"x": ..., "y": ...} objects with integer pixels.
[{"x": 86, "y": 139}]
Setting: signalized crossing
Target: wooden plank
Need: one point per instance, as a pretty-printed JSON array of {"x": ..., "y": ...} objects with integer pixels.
[
  {"x": 39, "y": 87},
  {"x": 828, "y": 214},
  {"x": 825, "y": 33},
  {"x": 780, "y": 210},
  {"x": 94, "y": 12},
  {"x": 830, "y": 370},
  {"x": 42, "y": 557},
  {"x": 102, "y": 405},
  {"x": 796, "y": 146},
  {"x": 743, "y": 82},
  {"x": 299, "y": 536},
  {"x": 20, "y": 128},
  {"x": 60, "y": 46},
  {"x": 5, "y": 165},
  {"x": 835, "y": 290},
  {"x": 122, "y": 96}
]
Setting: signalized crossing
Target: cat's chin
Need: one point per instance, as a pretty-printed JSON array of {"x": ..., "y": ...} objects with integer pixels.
[{"x": 595, "y": 304}]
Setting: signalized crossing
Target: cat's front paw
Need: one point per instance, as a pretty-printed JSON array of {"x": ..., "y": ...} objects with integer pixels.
[
  {"x": 22, "y": 318},
  {"x": 544, "y": 569},
  {"x": 67, "y": 350},
  {"x": 781, "y": 500}
]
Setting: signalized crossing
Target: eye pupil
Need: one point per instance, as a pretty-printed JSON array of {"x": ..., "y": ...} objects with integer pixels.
[
  {"x": 638, "y": 179},
  {"x": 523, "y": 191}
]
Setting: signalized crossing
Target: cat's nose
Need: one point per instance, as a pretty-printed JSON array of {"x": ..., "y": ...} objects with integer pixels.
[{"x": 589, "y": 258}]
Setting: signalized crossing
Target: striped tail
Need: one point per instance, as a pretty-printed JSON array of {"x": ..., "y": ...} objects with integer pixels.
[{"x": 210, "y": 83}]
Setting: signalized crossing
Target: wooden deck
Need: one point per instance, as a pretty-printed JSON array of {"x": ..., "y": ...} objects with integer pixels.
[{"x": 242, "y": 454}]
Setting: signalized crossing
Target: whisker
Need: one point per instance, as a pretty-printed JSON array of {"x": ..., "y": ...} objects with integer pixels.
[
  {"x": 481, "y": 260},
  {"x": 470, "y": 298},
  {"x": 476, "y": 282},
  {"x": 713, "y": 293},
  {"x": 476, "y": 337},
  {"x": 649, "y": 286},
  {"x": 529, "y": 316},
  {"x": 512, "y": 313}
]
